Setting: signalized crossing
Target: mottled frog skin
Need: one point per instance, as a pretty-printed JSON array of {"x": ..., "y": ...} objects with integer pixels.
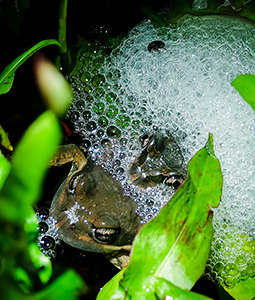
[{"x": 91, "y": 211}]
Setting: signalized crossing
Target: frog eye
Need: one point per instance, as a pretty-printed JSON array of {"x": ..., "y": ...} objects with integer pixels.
[
  {"x": 104, "y": 235},
  {"x": 175, "y": 181}
]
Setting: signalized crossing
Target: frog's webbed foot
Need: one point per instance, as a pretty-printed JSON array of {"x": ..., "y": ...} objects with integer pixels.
[
  {"x": 69, "y": 153},
  {"x": 119, "y": 260}
]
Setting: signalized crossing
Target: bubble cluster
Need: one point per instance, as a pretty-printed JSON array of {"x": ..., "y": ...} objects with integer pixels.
[
  {"x": 184, "y": 90},
  {"x": 48, "y": 237}
]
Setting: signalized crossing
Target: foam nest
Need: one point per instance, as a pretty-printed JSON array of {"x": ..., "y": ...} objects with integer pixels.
[{"x": 183, "y": 89}]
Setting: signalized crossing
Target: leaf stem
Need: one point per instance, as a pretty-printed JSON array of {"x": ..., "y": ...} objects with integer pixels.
[{"x": 62, "y": 25}]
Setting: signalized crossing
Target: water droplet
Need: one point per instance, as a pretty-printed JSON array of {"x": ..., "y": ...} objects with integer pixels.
[
  {"x": 47, "y": 242},
  {"x": 91, "y": 126},
  {"x": 102, "y": 121},
  {"x": 113, "y": 132},
  {"x": 43, "y": 213},
  {"x": 229, "y": 282},
  {"x": 116, "y": 163},
  {"x": 122, "y": 155},
  {"x": 100, "y": 133},
  {"x": 80, "y": 105},
  {"x": 86, "y": 115},
  {"x": 149, "y": 202},
  {"x": 112, "y": 111},
  {"x": 86, "y": 143},
  {"x": 231, "y": 269},
  {"x": 105, "y": 143},
  {"x": 43, "y": 227},
  {"x": 99, "y": 108},
  {"x": 85, "y": 76},
  {"x": 119, "y": 171}
]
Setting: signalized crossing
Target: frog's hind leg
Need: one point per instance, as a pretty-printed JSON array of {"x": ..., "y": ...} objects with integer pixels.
[{"x": 69, "y": 153}]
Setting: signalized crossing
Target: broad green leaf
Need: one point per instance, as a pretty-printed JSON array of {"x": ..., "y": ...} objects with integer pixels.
[
  {"x": 112, "y": 286},
  {"x": 244, "y": 290},
  {"x": 245, "y": 85},
  {"x": 5, "y": 140},
  {"x": 29, "y": 164},
  {"x": 5, "y": 167},
  {"x": 175, "y": 245},
  {"x": 67, "y": 286},
  {"x": 164, "y": 288},
  {"x": 7, "y": 76}
]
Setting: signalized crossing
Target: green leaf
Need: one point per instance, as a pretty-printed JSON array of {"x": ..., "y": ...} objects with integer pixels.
[
  {"x": 164, "y": 288},
  {"x": 5, "y": 167},
  {"x": 29, "y": 164},
  {"x": 175, "y": 245},
  {"x": 112, "y": 286},
  {"x": 66, "y": 286},
  {"x": 245, "y": 85},
  {"x": 7, "y": 76},
  {"x": 5, "y": 140}
]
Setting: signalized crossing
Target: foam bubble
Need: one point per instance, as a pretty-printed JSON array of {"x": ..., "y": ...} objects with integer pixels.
[{"x": 184, "y": 90}]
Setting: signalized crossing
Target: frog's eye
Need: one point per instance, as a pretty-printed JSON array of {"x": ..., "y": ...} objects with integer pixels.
[
  {"x": 105, "y": 228},
  {"x": 104, "y": 235},
  {"x": 175, "y": 181}
]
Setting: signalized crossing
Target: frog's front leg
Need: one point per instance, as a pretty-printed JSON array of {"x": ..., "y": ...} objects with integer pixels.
[{"x": 69, "y": 153}]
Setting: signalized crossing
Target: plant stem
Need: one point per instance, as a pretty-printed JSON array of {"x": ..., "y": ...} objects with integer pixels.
[{"x": 62, "y": 25}]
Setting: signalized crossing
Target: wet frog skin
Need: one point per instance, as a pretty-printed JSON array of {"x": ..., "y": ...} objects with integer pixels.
[
  {"x": 90, "y": 209},
  {"x": 160, "y": 162}
]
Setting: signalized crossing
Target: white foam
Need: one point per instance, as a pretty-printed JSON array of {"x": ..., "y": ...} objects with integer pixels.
[{"x": 186, "y": 89}]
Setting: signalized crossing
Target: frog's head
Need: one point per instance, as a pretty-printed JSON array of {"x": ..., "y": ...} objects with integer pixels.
[{"x": 92, "y": 213}]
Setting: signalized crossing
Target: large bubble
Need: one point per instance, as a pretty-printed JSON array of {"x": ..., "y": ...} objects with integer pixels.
[{"x": 182, "y": 91}]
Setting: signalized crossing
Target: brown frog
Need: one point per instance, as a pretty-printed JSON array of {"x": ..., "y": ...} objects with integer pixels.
[
  {"x": 160, "y": 161},
  {"x": 90, "y": 209}
]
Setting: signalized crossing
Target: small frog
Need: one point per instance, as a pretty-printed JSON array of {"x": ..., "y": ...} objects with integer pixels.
[
  {"x": 90, "y": 210},
  {"x": 160, "y": 161}
]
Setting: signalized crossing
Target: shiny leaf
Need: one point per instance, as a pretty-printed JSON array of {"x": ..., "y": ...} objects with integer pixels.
[
  {"x": 112, "y": 287},
  {"x": 245, "y": 85},
  {"x": 29, "y": 164},
  {"x": 166, "y": 290},
  {"x": 7, "y": 76}
]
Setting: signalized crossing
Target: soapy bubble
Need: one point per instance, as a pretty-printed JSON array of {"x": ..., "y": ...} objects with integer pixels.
[{"x": 183, "y": 90}]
